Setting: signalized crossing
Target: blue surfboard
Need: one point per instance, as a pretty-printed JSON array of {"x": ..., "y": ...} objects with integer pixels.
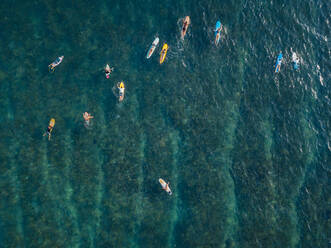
[
  {"x": 279, "y": 62},
  {"x": 218, "y": 32}
]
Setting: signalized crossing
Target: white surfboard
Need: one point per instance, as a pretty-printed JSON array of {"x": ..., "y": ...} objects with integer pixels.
[
  {"x": 152, "y": 47},
  {"x": 295, "y": 60}
]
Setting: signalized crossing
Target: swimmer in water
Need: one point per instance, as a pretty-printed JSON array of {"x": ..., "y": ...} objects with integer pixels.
[
  {"x": 55, "y": 63},
  {"x": 50, "y": 128},
  {"x": 121, "y": 89},
  {"x": 108, "y": 71},
  {"x": 87, "y": 118},
  {"x": 186, "y": 23}
]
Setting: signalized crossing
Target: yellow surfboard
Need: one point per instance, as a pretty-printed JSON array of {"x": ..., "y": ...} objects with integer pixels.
[
  {"x": 163, "y": 52},
  {"x": 52, "y": 122},
  {"x": 50, "y": 128},
  {"x": 121, "y": 93}
]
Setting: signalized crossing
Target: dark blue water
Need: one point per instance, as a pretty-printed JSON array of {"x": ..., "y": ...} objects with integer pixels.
[{"x": 246, "y": 151}]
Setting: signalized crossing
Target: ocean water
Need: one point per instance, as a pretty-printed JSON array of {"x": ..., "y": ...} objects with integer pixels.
[{"x": 246, "y": 151}]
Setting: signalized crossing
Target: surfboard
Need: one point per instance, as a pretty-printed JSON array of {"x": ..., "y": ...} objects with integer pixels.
[
  {"x": 163, "y": 53},
  {"x": 296, "y": 61},
  {"x": 217, "y": 32},
  {"x": 152, "y": 48},
  {"x": 164, "y": 186},
  {"x": 121, "y": 95},
  {"x": 55, "y": 63},
  {"x": 279, "y": 62},
  {"x": 108, "y": 71},
  {"x": 52, "y": 122},
  {"x": 184, "y": 29}
]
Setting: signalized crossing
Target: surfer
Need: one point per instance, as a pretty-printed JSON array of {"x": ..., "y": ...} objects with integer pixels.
[
  {"x": 218, "y": 29},
  {"x": 108, "y": 71},
  {"x": 87, "y": 118},
  {"x": 295, "y": 60},
  {"x": 279, "y": 62},
  {"x": 55, "y": 63},
  {"x": 121, "y": 89},
  {"x": 165, "y": 186},
  {"x": 50, "y": 128},
  {"x": 186, "y": 23}
]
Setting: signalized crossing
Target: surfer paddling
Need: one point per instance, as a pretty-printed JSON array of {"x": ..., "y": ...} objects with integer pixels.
[
  {"x": 279, "y": 62},
  {"x": 186, "y": 23},
  {"x": 121, "y": 90},
  {"x": 165, "y": 186},
  {"x": 108, "y": 70},
  {"x": 87, "y": 118},
  {"x": 218, "y": 29},
  {"x": 50, "y": 128},
  {"x": 55, "y": 63}
]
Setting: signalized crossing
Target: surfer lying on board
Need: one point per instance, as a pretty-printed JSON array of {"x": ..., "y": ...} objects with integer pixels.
[
  {"x": 108, "y": 70},
  {"x": 87, "y": 118},
  {"x": 217, "y": 31},
  {"x": 121, "y": 89},
  {"x": 185, "y": 26},
  {"x": 165, "y": 186},
  {"x": 50, "y": 128},
  {"x": 55, "y": 63}
]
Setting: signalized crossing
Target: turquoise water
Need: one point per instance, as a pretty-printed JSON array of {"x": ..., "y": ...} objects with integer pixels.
[{"x": 246, "y": 151}]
